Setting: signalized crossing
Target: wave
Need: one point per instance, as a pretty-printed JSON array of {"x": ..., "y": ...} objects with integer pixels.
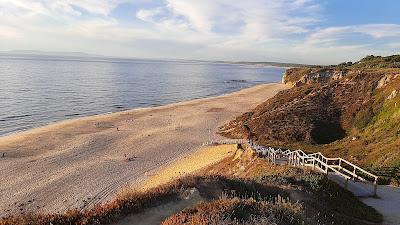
[
  {"x": 15, "y": 117},
  {"x": 235, "y": 81}
]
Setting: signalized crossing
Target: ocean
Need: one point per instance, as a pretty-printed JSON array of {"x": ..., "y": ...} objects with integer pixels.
[{"x": 37, "y": 90}]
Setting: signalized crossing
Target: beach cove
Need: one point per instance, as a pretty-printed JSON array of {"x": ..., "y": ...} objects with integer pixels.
[{"x": 82, "y": 162}]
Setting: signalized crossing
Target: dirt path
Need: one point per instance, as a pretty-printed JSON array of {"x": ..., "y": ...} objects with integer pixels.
[
  {"x": 81, "y": 162},
  {"x": 200, "y": 159},
  {"x": 388, "y": 204},
  {"x": 156, "y": 215}
]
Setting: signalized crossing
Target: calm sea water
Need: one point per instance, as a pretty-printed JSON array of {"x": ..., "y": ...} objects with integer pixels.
[{"x": 37, "y": 90}]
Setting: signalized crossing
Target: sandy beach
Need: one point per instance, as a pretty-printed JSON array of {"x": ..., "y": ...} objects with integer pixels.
[
  {"x": 79, "y": 163},
  {"x": 200, "y": 159}
]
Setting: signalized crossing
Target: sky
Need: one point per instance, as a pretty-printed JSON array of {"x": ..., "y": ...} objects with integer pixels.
[{"x": 299, "y": 31}]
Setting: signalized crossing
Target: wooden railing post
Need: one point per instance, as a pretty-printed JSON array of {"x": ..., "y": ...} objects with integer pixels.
[
  {"x": 313, "y": 163},
  {"x": 298, "y": 157},
  {"x": 326, "y": 166},
  {"x": 294, "y": 159},
  {"x": 274, "y": 158}
]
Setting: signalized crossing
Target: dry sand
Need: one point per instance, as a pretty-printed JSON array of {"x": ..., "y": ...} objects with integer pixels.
[
  {"x": 199, "y": 159},
  {"x": 80, "y": 162}
]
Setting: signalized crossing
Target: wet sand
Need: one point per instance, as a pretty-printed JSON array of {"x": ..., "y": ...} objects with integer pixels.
[{"x": 81, "y": 162}]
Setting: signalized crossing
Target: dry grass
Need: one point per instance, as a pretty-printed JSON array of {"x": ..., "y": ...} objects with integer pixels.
[
  {"x": 235, "y": 210},
  {"x": 355, "y": 117},
  {"x": 259, "y": 197},
  {"x": 323, "y": 202},
  {"x": 135, "y": 202},
  {"x": 102, "y": 214}
]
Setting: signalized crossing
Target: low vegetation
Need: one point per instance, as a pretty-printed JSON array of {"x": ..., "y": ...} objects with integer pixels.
[
  {"x": 103, "y": 214},
  {"x": 241, "y": 211},
  {"x": 375, "y": 62},
  {"x": 351, "y": 110},
  {"x": 242, "y": 189},
  {"x": 313, "y": 199}
]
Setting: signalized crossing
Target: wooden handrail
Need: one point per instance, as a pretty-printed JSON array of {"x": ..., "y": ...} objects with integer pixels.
[
  {"x": 319, "y": 161},
  {"x": 348, "y": 163}
]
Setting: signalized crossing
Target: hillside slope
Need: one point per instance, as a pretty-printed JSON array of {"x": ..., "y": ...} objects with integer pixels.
[{"x": 349, "y": 110}]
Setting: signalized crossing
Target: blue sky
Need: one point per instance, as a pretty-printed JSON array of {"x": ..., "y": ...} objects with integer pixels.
[{"x": 303, "y": 31}]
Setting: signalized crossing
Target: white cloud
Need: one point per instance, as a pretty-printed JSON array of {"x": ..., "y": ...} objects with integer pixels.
[
  {"x": 334, "y": 34},
  {"x": 252, "y": 19},
  {"x": 148, "y": 15},
  {"x": 221, "y": 25},
  {"x": 198, "y": 13},
  {"x": 59, "y": 7},
  {"x": 217, "y": 29},
  {"x": 379, "y": 30},
  {"x": 394, "y": 45},
  {"x": 7, "y": 32}
]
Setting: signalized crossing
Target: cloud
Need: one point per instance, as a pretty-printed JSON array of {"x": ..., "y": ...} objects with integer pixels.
[
  {"x": 149, "y": 15},
  {"x": 59, "y": 7},
  {"x": 343, "y": 43},
  {"x": 252, "y": 19},
  {"x": 7, "y": 32},
  {"x": 208, "y": 29},
  {"x": 379, "y": 30},
  {"x": 82, "y": 18},
  {"x": 334, "y": 34},
  {"x": 394, "y": 45}
]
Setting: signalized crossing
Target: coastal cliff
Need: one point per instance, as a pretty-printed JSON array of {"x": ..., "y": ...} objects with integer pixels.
[{"x": 350, "y": 110}]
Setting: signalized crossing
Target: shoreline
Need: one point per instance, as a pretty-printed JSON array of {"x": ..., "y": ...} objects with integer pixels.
[
  {"x": 35, "y": 120},
  {"x": 108, "y": 113},
  {"x": 72, "y": 120},
  {"x": 80, "y": 162}
]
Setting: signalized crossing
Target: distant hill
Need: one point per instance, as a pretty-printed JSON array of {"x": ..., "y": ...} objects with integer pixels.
[
  {"x": 44, "y": 53},
  {"x": 277, "y": 64},
  {"x": 32, "y": 53},
  {"x": 375, "y": 62}
]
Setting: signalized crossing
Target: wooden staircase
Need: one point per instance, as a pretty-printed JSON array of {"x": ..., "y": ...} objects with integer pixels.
[
  {"x": 282, "y": 159},
  {"x": 343, "y": 172}
]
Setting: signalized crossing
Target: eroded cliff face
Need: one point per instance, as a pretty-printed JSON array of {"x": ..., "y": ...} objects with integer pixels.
[
  {"x": 299, "y": 76},
  {"x": 327, "y": 105}
]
